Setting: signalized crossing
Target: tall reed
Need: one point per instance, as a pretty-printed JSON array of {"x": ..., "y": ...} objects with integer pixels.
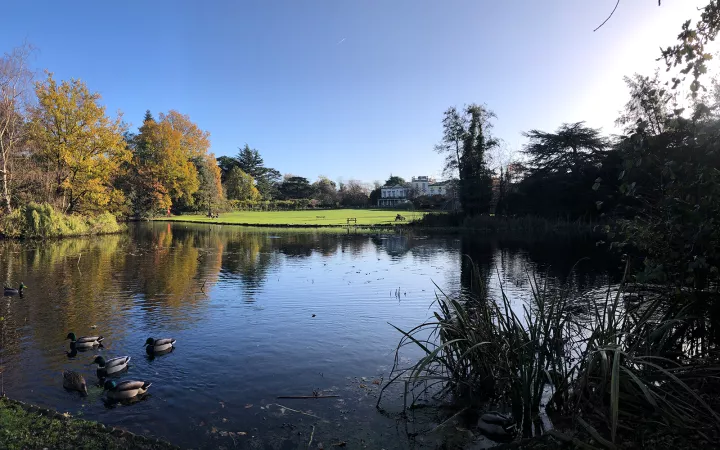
[{"x": 605, "y": 364}]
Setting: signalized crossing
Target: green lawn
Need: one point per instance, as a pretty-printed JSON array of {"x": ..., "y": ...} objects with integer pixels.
[{"x": 305, "y": 217}]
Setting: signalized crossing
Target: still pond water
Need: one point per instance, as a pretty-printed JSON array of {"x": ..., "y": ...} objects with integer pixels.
[{"x": 257, "y": 314}]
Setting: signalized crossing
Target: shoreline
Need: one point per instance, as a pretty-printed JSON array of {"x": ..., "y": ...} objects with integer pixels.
[
  {"x": 283, "y": 225},
  {"x": 24, "y": 425}
]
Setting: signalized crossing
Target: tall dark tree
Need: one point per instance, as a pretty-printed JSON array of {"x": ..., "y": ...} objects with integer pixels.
[
  {"x": 563, "y": 174},
  {"x": 226, "y": 164},
  {"x": 250, "y": 162},
  {"x": 395, "y": 180},
  {"x": 294, "y": 188},
  {"x": 570, "y": 149},
  {"x": 454, "y": 125},
  {"x": 475, "y": 176},
  {"x": 467, "y": 140}
]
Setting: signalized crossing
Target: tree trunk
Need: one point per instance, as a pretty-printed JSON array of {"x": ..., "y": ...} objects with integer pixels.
[{"x": 5, "y": 190}]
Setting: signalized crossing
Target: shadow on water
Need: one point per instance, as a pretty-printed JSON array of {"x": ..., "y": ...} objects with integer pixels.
[{"x": 257, "y": 314}]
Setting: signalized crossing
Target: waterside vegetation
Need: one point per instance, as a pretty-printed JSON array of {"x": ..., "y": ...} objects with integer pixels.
[{"x": 638, "y": 366}]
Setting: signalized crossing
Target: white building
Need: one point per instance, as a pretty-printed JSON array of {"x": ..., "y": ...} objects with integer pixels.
[
  {"x": 393, "y": 195},
  {"x": 421, "y": 184},
  {"x": 444, "y": 188}
]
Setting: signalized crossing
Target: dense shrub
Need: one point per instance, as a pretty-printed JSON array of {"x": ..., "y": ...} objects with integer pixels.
[
  {"x": 270, "y": 205},
  {"x": 41, "y": 220}
]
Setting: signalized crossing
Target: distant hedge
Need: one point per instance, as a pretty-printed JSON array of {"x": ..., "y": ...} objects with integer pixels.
[
  {"x": 41, "y": 220},
  {"x": 271, "y": 205}
]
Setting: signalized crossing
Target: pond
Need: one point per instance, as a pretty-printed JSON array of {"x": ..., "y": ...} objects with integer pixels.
[{"x": 257, "y": 314}]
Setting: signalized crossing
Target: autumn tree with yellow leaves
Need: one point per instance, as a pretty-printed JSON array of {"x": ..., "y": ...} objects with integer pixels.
[
  {"x": 78, "y": 144},
  {"x": 170, "y": 165}
]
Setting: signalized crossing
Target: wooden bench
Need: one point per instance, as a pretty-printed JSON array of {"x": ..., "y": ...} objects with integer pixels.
[{"x": 352, "y": 219}]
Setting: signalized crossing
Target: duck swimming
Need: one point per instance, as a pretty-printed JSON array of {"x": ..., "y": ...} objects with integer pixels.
[
  {"x": 111, "y": 366},
  {"x": 84, "y": 342},
  {"x": 126, "y": 389},
  {"x": 159, "y": 345},
  {"x": 12, "y": 291},
  {"x": 73, "y": 381}
]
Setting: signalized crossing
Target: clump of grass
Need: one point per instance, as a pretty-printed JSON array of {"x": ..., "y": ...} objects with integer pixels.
[
  {"x": 605, "y": 368},
  {"x": 41, "y": 220}
]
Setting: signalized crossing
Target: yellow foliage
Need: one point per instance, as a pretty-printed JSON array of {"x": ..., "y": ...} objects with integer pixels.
[
  {"x": 164, "y": 158},
  {"x": 80, "y": 145}
]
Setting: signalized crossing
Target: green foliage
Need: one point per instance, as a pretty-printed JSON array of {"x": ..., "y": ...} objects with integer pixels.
[
  {"x": 293, "y": 188},
  {"x": 467, "y": 141},
  {"x": 673, "y": 186},
  {"x": 325, "y": 191},
  {"x": 250, "y": 162},
  {"x": 564, "y": 173},
  {"x": 240, "y": 186},
  {"x": 395, "y": 180},
  {"x": 649, "y": 104},
  {"x": 691, "y": 52},
  {"x": 43, "y": 221},
  {"x": 210, "y": 191}
]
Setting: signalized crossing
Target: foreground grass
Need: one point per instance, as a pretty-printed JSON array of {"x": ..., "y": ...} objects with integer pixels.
[
  {"x": 318, "y": 218},
  {"x": 23, "y": 428}
]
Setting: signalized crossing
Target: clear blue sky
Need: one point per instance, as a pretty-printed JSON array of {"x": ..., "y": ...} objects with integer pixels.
[{"x": 349, "y": 89}]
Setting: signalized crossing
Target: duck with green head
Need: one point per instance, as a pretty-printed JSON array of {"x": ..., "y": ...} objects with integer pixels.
[
  {"x": 12, "y": 291},
  {"x": 159, "y": 345},
  {"x": 111, "y": 366},
  {"x": 84, "y": 342},
  {"x": 126, "y": 389},
  {"x": 73, "y": 381}
]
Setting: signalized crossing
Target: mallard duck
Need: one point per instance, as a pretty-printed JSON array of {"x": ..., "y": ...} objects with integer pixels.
[
  {"x": 74, "y": 382},
  {"x": 126, "y": 389},
  {"x": 12, "y": 291},
  {"x": 84, "y": 342},
  {"x": 111, "y": 366},
  {"x": 496, "y": 425},
  {"x": 159, "y": 345}
]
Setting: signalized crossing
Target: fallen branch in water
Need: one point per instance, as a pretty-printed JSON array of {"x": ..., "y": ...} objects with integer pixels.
[
  {"x": 308, "y": 396},
  {"x": 300, "y": 412},
  {"x": 311, "y": 436}
]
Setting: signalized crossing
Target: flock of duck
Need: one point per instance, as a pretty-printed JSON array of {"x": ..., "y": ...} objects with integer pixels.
[{"x": 124, "y": 390}]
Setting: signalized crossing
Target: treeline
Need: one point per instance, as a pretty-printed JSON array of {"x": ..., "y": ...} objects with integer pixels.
[
  {"x": 249, "y": 184},
  {"x": 655, "y": 189},
  {"x": 59, "y": 147}
]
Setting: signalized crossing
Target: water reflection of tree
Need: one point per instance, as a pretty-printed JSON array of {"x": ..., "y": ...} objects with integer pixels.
[
  {"x": 249, "y": 257},
  {"x": 67, "y": 281},
  {"x": 579, "y": 263}
]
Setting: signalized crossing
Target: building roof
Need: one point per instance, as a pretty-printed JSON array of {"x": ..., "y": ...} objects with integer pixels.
[
  {"x": 397, "y": 186},
  {"x": 443, "y": 183}
]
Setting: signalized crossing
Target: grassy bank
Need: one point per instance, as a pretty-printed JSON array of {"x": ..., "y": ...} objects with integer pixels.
[
  {"x": 305, "y": 218},
  {"x": 27, "y": 427},
  {"x": 43, "y": 221}
]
